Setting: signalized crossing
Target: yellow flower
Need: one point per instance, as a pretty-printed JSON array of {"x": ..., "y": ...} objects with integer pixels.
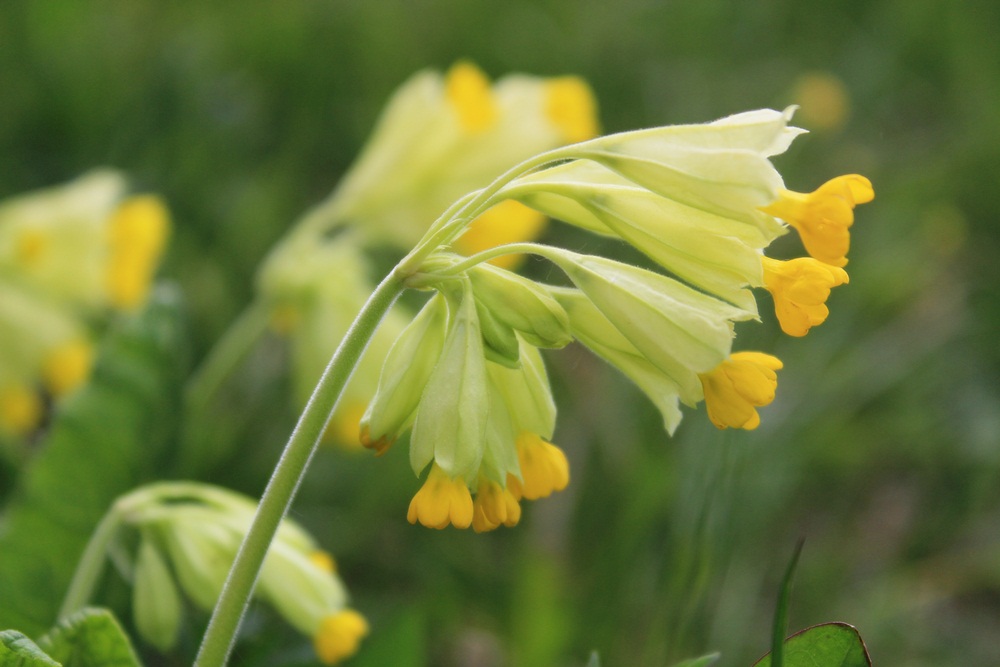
[
  {"x": 441, "y": 501},
  {"x": 83, "y": 243},
  {"x": 468, "y": 91},
  {"x": 739, "y": 385},
  {"x": 339, "y": 636},
  {"x": 800, "y": 288},
  {"x": 823, "y": 217},
  {"x": 67, "y": 367},
  {"x": 137, "y": 236},
  {"x": 494, "y": 505},
  {"x": 20, "y": 409},
  {"x": 507, "y": 222},
  {"x": 544, "y": 468},
  {"x": 442, "y": 136},
  {"x": 570, "y": 105}
]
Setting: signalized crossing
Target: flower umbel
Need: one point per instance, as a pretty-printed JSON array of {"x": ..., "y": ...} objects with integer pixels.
[
  {"x": 739, "y": 385},
  {"x": 189, "y": 535}
]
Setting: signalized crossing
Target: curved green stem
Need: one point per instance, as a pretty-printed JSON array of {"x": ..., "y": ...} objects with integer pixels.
[
  {"x": 91, "y": 565},
  {"x": 456, "y": 218},
  {"x": 291, "y": 468}
]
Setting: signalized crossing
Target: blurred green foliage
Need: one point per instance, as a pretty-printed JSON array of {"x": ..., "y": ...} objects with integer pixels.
[{"x": 882, "y": 450}]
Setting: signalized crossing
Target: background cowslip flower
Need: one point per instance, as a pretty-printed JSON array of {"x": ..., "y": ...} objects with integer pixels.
[
  {"x": 85, "y": 243},
  {"x": 441, "y": 137},
  {"x": 189, "y": 536},
  {"x": 69, "y": 256},
  {"x": 313, "y": 301}
]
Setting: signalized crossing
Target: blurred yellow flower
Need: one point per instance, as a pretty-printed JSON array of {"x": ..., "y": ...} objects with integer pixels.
[
  {"x": 339, "y": 636},
  {"x": 823, "y": 100}
]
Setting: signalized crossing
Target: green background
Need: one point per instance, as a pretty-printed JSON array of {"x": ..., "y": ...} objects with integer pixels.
[{"x": 882, "y": 450}]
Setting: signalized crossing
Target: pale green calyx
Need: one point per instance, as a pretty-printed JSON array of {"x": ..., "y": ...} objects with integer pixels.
[
  {"x": 664, "y": 386},
  {"x": 668, "y": 322},
  {"x": 718, "y": 254},
  {"x": 451, "y": 417},
  {"x": 721, "y": 167},
  {"x": 522, "y": 305},
  {"x": 405, "y": 373}
]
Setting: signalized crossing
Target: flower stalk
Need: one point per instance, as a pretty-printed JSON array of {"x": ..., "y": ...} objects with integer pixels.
[{"x": 277, "y": 498}]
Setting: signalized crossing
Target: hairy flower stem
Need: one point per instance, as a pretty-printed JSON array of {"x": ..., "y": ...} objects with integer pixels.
[{"x": 288, "y": 473}]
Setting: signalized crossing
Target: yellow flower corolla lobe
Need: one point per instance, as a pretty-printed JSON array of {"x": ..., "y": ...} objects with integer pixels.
[
  {"x": 544, "y": 468},
  {"x": 20, "y": 410},
  {"x": 494, "y": 505},
  {"x": 824, "y": 216},
  {"x": 507, "y": 222},
  {"x": 736, "y": 387},
  {"x": 570, "y": 106},
  {"x": 67, "y": 367},
  {"x": 441, "y": 501},
  {"x": 137, "y": 236},
  {"x": 339, "y": 636},
  {"x": 800, "y": 288},
  {"x": 469, "y": 92}
]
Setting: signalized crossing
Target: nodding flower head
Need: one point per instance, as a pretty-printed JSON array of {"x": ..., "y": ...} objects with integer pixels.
[
  {"x": 189, "y": 535},
  {"x": 703, "y": 202}
]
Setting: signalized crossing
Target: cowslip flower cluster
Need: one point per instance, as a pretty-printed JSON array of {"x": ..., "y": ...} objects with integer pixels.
[
  {"x": 439, "y": 137},
  {"x": 69, "y": 255},
  {"x": 702, "y": 202},
  {"x": 189, "y": 534}
]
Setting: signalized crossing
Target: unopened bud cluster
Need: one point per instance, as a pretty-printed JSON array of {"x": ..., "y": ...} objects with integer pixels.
[{"x": 189, "y": 534}]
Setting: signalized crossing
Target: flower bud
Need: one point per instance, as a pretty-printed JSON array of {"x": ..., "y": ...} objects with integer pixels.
[
  {"x": 156, "y": 604},
  {"x": 521, "y": 304},
  {"x": 405, "y": 372}
]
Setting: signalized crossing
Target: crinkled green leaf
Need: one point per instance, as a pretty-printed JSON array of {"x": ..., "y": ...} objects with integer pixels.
[
  {"x": 826, "y": 645},
  {"x": 111, "y": 436},
  {"x": 16, "y": 650},
  {"x": 90, "y": 638}
]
